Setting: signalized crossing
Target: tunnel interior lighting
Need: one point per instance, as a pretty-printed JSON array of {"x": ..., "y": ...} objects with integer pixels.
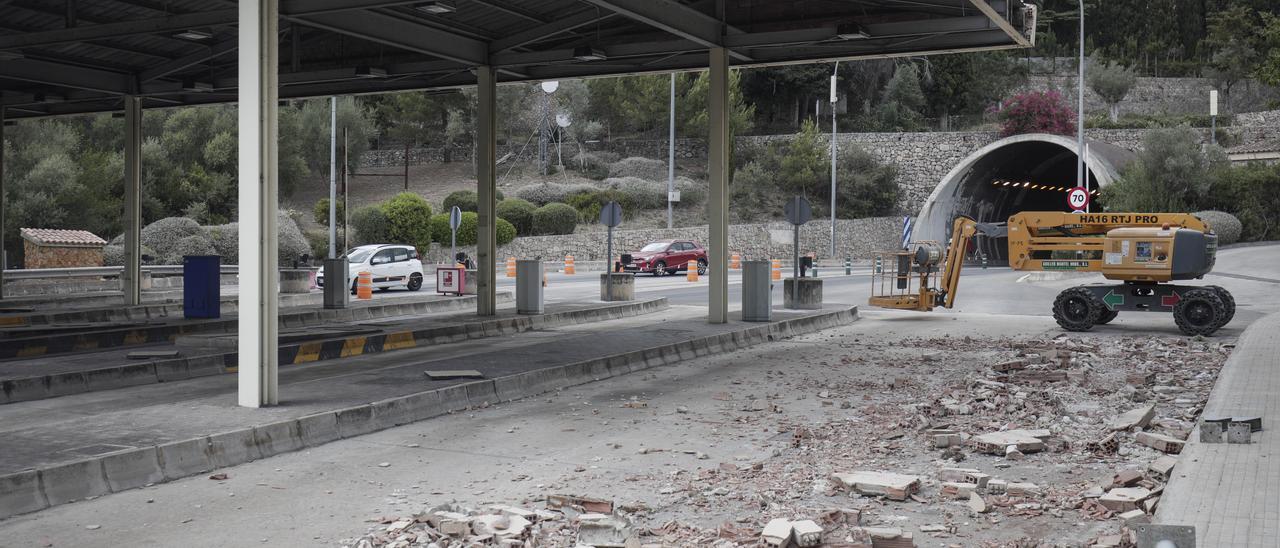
[
  {"x": 588, "y": 53},
  {"x": 194, "y": 35},
  {"x": 435, "y": 8}
]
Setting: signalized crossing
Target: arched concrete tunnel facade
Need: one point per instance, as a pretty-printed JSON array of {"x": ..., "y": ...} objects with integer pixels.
[{"x": 1030, "y": 172}]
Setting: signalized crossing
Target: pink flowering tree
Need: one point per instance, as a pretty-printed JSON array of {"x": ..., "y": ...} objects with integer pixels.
[{"x": 1036, "y": 112}]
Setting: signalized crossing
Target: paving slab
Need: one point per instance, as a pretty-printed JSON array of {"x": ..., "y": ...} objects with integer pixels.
[
  {"x": 1229, "y": 491},
  {"x": 340, "y": 398}
]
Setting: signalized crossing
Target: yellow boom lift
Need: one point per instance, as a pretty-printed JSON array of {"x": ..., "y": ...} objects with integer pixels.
[{"x": 1144, "y": 251}]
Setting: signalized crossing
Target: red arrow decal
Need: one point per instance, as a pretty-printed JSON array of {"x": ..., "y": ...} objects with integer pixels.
[{"x": 1170, "y": 300}]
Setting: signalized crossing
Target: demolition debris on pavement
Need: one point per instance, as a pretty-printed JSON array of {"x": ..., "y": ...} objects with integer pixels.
[{"x": 953, "y": 442}]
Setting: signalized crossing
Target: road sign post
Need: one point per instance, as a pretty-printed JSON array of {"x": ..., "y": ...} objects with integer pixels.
[
  {"x": 455, "y": 220},
  {"x": 798, "y": 212},
  {"x": 610, "y": 216},
  {"x": 1078, "y": 199}
]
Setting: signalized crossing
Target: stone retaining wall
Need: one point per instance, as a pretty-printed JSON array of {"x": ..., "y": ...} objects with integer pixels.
[{"x": 856, "y": 239}]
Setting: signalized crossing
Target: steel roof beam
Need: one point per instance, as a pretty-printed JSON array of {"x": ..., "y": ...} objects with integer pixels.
[
  {"x": 403, "y": 34},
  {"x": 44, "y": 72},
  {"x": 1000, "y": 21},
  {"x": 543, "y": 32},
  {"x": 674, "y": 18},
  {"x": 188, "y": 61}
]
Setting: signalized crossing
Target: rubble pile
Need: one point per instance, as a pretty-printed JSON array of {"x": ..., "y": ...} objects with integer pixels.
[{"x": 925, "y": 442}]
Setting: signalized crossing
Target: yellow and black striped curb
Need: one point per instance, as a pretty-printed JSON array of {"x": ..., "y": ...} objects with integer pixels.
[
  {"x": 34, "y": 490},
  {"x": 56, "y": 343}
]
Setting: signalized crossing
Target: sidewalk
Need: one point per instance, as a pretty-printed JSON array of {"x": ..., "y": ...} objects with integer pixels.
[
  {"x": 1231, "y": 492},
  {"x": 85, "y": 445}
]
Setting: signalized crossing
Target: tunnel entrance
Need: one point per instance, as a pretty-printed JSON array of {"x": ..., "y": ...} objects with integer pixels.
[{"x": 1030, "y": 172}]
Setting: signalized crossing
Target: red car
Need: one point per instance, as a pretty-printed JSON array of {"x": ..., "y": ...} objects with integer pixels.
[{"x": 667, "y": 257}]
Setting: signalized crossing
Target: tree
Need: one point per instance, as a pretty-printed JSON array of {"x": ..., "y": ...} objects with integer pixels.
[
  {"x": 1171, "y": 174},
  {"x": 801, "y": 169},
  {"x": 1268, "y": 70},
  {"x": 903, "y": 102},
  {"x": 741, "y": 112},
  {"x": 1231, "y": 40},
  {"x": 1111, "y": 81},
  {"x": 969, "y": 83},
  {"x": 418, "y": 118},
  {"x": 1037, "y": 112}
]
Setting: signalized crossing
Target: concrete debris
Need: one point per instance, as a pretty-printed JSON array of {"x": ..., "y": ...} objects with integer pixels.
[
  {"x": 1134, "y": 418},
  {"x": 1162, "y": 467},
  {"x": 453, "y": 374},
  {"x": 893, "y": 486},
  {"x": 1134, "y": 517},
  {"x": 958, "y": 490},
  {"x": 604, "y": 530},
  {"x": 1024, "y": 441},
  {"x": 777, "y": 532},
  {"x": 1126, "y": 478},
  {"x": 977, "y": 504},
  {"x": 582, "y": 504},
  {"x": 1160, "y": 442},
  {"x": 807, "y": 532},
  {"x": 1124, "y": 499}
]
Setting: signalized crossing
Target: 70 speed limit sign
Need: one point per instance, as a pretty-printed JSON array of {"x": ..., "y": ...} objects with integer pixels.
[{"x": 1078, "y": 199}]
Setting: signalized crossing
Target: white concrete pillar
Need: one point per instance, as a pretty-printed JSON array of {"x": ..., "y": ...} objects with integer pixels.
[
  {"x": 258, "y": 83},
  {"x": 486, "y": 191},
  {"x": 718, "y": 188},
  {"x": 131, "y": 276}
]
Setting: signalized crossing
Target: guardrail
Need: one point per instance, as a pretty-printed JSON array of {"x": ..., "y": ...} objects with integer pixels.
[{"x": 98, "y": 272}]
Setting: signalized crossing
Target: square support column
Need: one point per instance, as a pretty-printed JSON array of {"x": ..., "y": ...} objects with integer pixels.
[
  {"x": 131, "y": 275},
  {"x": 486, "y": 191},
  {"x": 718, "y": 188},
  {"x": 4, "y": 262},
  {"x": 258, "y": 132}
]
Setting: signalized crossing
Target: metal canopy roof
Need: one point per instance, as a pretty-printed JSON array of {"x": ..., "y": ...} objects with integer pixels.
[{"x": 75, "y": 56}]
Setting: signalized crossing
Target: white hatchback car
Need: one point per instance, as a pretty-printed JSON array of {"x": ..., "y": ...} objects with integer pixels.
[{"x": 391, "y": 266}]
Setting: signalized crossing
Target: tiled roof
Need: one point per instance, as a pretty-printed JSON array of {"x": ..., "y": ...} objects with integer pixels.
[
  {"x": 1271, "y": 145},
  {"x": 56, "y": 236}
]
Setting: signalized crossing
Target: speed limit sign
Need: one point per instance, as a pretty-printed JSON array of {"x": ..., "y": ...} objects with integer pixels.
[{"x": 1078, "y": 199}]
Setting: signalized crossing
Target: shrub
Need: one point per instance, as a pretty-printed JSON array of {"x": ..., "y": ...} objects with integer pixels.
[
  {"x": 440, "y": 228},
  {"x": 226, "y": 241},
  {"x": 465, "y": 200},
  {"x": 408, "y": 220},
  {"x": 318, "y": 239},
  {"x": 164, "y": 234},
  {"x": 291, "y": 245},
  {"x": 546, "y": 193},
  {"x": 113, "y": 255},
  {"x": 1172, "y": 173},
  {"x": 519, "y": 213},
  {"x": 370, "y": 225},
  {"x": 1248, "y": 192},
  {"x": 195, "y": 244},
  {"x": 321, "y": 211},
  {"x": 468, "y": 229},
  {"x": 644, "y": 168},
  {"x": 1037, "y": 112},
  {"x": 594, "y": 165},
  {"x": 506, "y": 231},
  {"x": 1225, "y": 225},
  {"x": 555, "y": 218},
  {"x": 639, "y": 193}
]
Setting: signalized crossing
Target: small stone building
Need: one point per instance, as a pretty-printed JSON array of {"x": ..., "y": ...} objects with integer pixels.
[{"x": 54, "y": 248}]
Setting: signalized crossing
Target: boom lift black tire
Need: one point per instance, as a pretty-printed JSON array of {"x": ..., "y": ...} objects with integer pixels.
[
  {"x": 1106, "y": 316},
  {"x": 1077, "y": 309},
  {"x": 1199, "y": 312},
  {"x": 1227, "y": 300}
]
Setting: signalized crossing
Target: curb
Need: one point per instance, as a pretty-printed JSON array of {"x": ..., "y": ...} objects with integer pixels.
[
  {"x": 41, "y": 345},
  {"x": 157, "y": 371},
  {"x": 34, "y": 490}
]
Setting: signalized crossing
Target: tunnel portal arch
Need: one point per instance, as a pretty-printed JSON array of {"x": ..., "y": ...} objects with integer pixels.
[{"x": 1030, "y": 172}]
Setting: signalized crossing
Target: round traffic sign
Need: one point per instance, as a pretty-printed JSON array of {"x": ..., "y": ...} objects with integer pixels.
[
  {"x": 797, "y": 210},
  {"x": 1078, "y": 198}
]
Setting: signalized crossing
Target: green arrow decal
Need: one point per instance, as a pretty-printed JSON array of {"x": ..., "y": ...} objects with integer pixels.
[{"x": 1113, "y": 299}]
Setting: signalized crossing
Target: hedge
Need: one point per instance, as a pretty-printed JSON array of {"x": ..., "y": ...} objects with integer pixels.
[
  {"x": 555, "y": 218},
  {"x": 519, "y": 213},
  {"x": 468, "y": 229},
  {"x": 1225, "y": 225},
  {"x": 464, "y": 199},
  {"x": 320, "y": 213},
  {"x": 370, "y": 225},
  {"x": 408, "y": 220}
]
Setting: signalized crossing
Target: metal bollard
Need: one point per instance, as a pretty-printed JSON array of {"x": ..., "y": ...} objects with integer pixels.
[{"x": 848, "y": 266}]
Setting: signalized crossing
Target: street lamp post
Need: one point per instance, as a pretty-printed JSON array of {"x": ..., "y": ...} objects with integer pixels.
[{"x": 835, "y": 70}]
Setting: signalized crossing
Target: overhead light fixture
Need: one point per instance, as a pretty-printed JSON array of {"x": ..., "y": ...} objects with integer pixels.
[
  {"x": 588, "y": 53},
  {"x": 371, "y": 72},
  {"x": 1026, "y": 184},
  {"x": 194, "y": 35},
  {"x": 11, "y": 55},
  {"x": 852, "y": 31},
  {"x": 196, "y": 86},
  {"x": 435, "y": 8}
]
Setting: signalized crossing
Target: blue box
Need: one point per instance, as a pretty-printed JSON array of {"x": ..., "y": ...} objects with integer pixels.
[{"x": 201, "y": 277}]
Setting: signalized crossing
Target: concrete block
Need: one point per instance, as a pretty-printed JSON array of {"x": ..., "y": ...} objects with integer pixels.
[
  {"x": 20, "y": 493},
  {"x": 203, "y": 366},
  {"x": 172, "y": 370},
  {"x": 391, "y": 413},
  {"x": 180, "y": 459},
  {"x": 808, "y": 296},
  {"x": 318, "y": 429},
  {"x": 65, "y": 383},
  {"x": 355, "y": 421},
  {"x": 278, "y": 437},
  {"x": 132, "y": 468},
  {"x": 623, "y": 286},
  {"x": 26, "y": 389},
  {"x": 74, "y": 481},
  {"x": 481, "y": 392},
  {"x": 453, "y": 398},
  {"x": 423, "y": 405},
  {"x": 232, "y": 448}
]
